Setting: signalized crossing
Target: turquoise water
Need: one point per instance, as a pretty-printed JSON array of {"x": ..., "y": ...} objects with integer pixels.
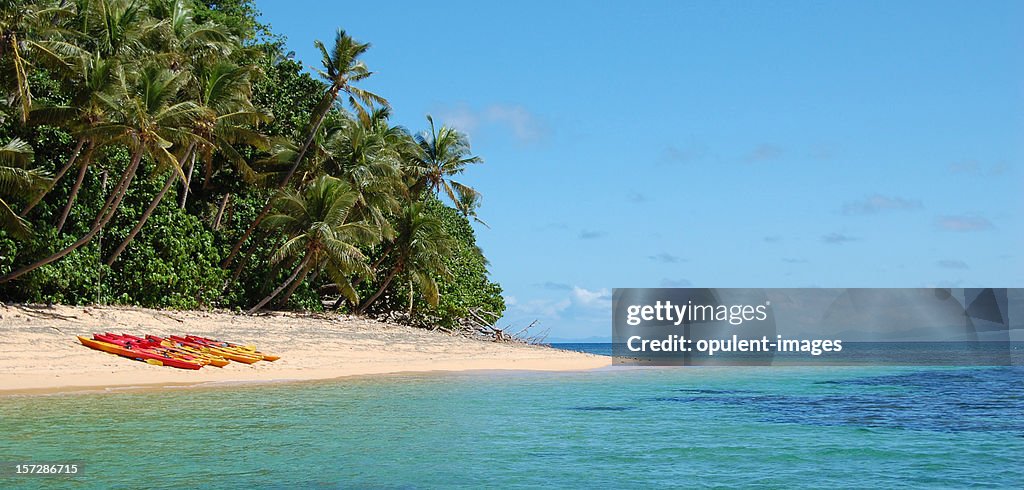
[{"x": 699, "y": 426}]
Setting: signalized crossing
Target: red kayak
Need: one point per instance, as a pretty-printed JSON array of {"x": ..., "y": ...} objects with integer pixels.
[
  {"x": 131, "y": 341},
  {"x": 132, "y": 350}
]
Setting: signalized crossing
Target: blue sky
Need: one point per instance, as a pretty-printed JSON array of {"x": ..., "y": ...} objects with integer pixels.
[{"x": 713, "y": 144}]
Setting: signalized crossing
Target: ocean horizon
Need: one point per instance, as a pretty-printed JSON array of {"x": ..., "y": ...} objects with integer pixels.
[{"x": 919, "y": 353}]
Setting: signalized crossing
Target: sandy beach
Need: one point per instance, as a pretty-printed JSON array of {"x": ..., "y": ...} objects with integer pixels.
[{"x": 40, "y": 354}]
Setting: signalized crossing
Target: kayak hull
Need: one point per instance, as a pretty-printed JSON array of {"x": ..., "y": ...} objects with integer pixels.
[{"x": 137, "y": 354}]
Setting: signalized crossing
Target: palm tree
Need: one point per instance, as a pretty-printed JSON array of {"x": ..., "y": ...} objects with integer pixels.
[
  {"x": 321, "y": 236},
  {"x": 147, "y": 118},
  {"x": 117, "y": 28},
  {"x": 91, "y": 78},
  {"x": 444, "y": 153},
  {"x": 12, "y": 59},
  {"x": 342, "y": 68},
  {"x": 113, "y": 30},
  {"x": 369, "y": 153},
  {"x": 223, "y": 90},
  {"x": 420, "y": 252},
  {"x": 17, "y": 181},
  {"x": 180, "y": 42},
  {"x": 224, "y": 110}
]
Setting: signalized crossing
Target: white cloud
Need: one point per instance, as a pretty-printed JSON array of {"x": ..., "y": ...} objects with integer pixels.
[
  {"x": 578, "y": 301},
  {"x": 599, "y": 298},
  {"x": 540, "y": 308},
  {"x": 524, "y": 126},
  {"x": 963, "y": 223},
  {"x": 460, "y": 117}
]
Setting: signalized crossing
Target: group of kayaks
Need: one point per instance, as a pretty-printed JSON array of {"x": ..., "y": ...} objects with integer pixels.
[{"x": 188, "y": 352}]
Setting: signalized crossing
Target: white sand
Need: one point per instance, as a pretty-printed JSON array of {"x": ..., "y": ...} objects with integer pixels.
[{"x": 40, "y": 354}]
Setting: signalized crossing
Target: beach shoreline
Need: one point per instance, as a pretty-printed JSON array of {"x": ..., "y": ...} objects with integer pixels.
[{"x": 39, "y": 352}]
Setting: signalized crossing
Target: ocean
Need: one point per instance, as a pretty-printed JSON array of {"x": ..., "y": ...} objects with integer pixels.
[{"x": 769, "y": 427}]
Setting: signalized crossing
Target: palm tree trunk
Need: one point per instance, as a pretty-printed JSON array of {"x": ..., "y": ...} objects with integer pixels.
[
  {"x": 358, "y": 280},
  {"x": 56, "y": 179},
  {"x": 332, "y": 94},
  {"x": 411, "y": 298},
  {"x": 207, "y": 173},
  {"x": 83, "y": 167},
  {"x": 387, "y": 281},
  {"x": 280, "y": 288},
  {"x": 108, "y": 211},
  {"x": 220, "y": 211},
  {"x": 142, "y": 220},
  {"x": 295, "y": 285},
  {"x": 119, "y": 190},
  {"x": 188, "y": 181},
  {"x": 149, "y": 211}
]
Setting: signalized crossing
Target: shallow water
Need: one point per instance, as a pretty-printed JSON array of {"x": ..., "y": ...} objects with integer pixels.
[{"x": 730, "y": 426}]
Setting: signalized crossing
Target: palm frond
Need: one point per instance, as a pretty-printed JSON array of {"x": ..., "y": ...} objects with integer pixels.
[{"x": 12, "y": 223}]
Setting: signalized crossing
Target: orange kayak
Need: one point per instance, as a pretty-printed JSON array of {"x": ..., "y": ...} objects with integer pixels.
[
  {"x": 241, "y": 349},
  {"x": 139, "y": 354}
]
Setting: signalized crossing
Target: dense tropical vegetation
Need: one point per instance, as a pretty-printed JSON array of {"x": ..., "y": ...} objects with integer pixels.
[{"x": 169, "y": 153}]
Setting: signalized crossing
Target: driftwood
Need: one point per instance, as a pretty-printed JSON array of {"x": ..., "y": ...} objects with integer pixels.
[
  {"x": 481, "y": 327},
  {"x": 478, "y": 324}
]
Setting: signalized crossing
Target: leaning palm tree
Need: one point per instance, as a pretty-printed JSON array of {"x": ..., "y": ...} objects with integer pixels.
[
  {"x": 90, "y": 77},
  {"x": 224, "y": 91},
  {"x": 444, "y": 153},
  {"x": 420, "y": 252},
  {"x": 224, "y": 111},
  {"x": 146, "y": 117},
  {"x": 320, "y": 236},
  {"x": 13, "y": 64},
  {"x": 26, "y": 33},
  {"x": 93, "y": 40},
  {"x": 17, "y": 181},
  {"x": 342, "y": 68}
]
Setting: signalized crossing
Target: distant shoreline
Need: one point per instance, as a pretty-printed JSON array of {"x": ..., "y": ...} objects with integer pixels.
[{"x": 39, "y": 353}]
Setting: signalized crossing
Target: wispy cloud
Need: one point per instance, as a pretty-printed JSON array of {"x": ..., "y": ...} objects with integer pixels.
[
  {"x": 837, "y": 238},
  {"x": 684, "y": 153},
  {"x": 591, "y": 234},
  {"x": 524, "y": 126},
  {"x": 772, "y": 239},
  {"x": 763, "y": 152},
  {"x": 666, "y": 258},
  {"x": 877, "y": 203},
  {"x": 963, "y": 223},
  {"x": 637, "y": 197},
  {"x": 539, "y": 308},
  {"x": 974, "y": 167},
  {"x": 598, "y": 298},
  {"x": 952, "y": 264},
  {"x": 572, "y": 303},
  {"x": 790, "y": 260}
]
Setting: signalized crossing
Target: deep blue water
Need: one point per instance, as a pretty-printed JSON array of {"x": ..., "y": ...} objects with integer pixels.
[{"x": 599, "y": 348}]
